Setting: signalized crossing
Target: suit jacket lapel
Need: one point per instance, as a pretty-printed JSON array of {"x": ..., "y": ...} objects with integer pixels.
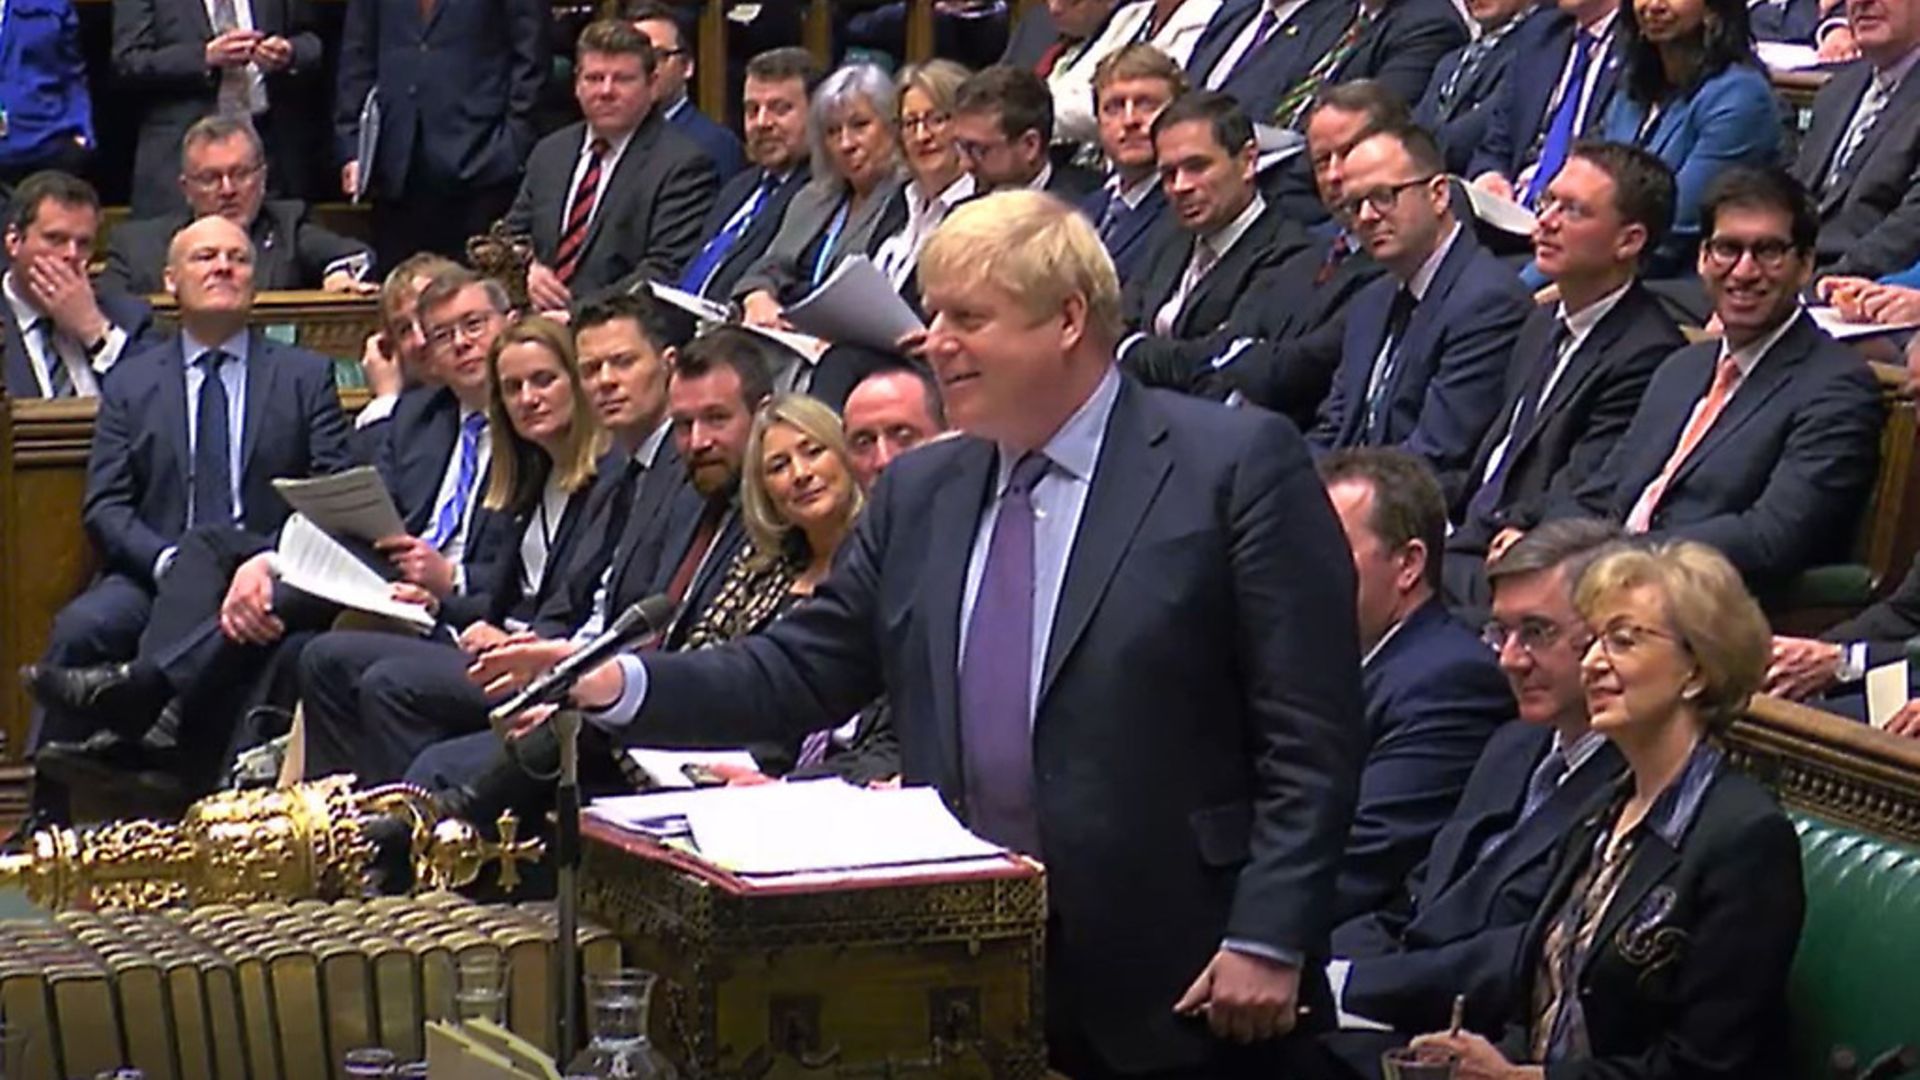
[
  {"x": 1166, "y": 279},
  {"x": 21, "y": 380},
  {"x": 1767, "y": 379},
  {"x": 1906, "y": 97},
  {"x": 1823, "y": 141},
  {"x": 626, "y": 173},
  {"x": 260, "y": 396},
  {"x": 1370, "y": 312},
  {"x": 1581, "y": 366},
  {"x": 1130, "y": 224},
  {"x": 1424, "y": 323},
  {"x": 1127, "y": 478},
  {"x": 173, "y": 407},
  {"x": 1651, "y": 861},
  {"x": 955, "y": 521}
]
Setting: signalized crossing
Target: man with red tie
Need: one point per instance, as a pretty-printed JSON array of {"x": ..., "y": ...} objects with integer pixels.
[{"x": 618, "y": 197}]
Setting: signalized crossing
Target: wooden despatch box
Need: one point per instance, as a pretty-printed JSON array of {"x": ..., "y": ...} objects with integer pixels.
[{"x": 919, "y": 976}]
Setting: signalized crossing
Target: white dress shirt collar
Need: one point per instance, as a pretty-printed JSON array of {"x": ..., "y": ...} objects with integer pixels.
[
  {"x": 1748, "y": 356},
  {"x": 1423, "y": 278}
]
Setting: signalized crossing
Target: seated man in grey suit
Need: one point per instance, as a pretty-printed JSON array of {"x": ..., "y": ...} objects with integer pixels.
[
  {"x": 223, "y": 171},
  {"x": 1455, "y": 923},
  {"x": 619, "y": 197}
]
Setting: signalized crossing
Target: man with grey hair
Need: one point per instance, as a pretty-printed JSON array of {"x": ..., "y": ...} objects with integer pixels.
[
  {"x": 223, "y": 171},
  {"x": 1454, "y": 926}
]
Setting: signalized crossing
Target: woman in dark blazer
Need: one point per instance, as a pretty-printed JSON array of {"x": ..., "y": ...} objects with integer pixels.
[
  {"x": 1694, "y": 95},
  {"x": 1663, "y": 946}
]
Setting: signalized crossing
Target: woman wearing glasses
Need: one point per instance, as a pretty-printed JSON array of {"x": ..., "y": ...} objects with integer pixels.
[
  {"x": 938, "y": 178},
  {"x": 1695, "y": 95},
  {"x": 1663, "y": 946},
  {"x": 855, "y": 175}
]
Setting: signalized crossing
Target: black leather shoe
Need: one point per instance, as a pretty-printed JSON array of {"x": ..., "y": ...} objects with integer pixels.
[
  {"x": 110, "y": 695},
  {"x": 107, "y": 758},
  {"x": 17, "y": 840}
]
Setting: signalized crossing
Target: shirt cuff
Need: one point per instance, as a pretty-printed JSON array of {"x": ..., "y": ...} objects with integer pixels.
[
  {"x": 633, "y": 693},
  {"x": 1828, "y": 26},
  {"x": 1337, "y": 972},
  {"x": 356, "y": 266},
  {"x": 109, "y": 354},
  {"x": 1128, "y": 342},
  {"x": 165, "y": 562},
  {"x": 1853, "y": 662},
  {"x": 1289, "y": 957},
  {"x": 380, "y": 408}
]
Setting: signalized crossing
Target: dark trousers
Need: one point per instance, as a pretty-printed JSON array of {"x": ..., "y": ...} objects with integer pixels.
[
  {"x": 99, "y": 626},
  {"x": 1464, "y": 576},
  {"x": 435, "y": 217},
  {"x": 373, "y": 701}
]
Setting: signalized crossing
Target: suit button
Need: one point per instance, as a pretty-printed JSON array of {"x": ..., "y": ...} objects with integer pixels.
[{"x": 413, "y": 91}]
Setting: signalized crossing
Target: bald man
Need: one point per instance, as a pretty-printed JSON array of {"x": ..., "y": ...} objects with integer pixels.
[{"x": 190, "y": 436}]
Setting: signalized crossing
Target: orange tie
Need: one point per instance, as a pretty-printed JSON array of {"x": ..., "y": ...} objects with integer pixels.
[{"x": 1726, "y": 379}]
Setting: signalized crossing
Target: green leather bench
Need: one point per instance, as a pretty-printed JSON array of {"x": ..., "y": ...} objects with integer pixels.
[{"x": 1854, "y": 795}]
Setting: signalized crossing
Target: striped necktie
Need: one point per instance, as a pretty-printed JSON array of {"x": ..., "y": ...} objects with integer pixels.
[
  {"x": 573, "y": 240},
  {"x": 59, "y": 379},
  {"x": 446, "y": 521},
  {"x": 1292, "y": 110}
]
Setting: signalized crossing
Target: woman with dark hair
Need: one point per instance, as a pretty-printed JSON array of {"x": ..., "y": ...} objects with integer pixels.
[
  {"x": 1663, "y": 946},
  {"x": 1695, "y": 95}
]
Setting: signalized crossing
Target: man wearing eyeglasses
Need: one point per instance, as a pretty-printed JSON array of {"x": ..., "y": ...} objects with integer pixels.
[
  {"x": 1003, "y": 125},
  {"x": 1581, "y": 365},
  {"x": 673, "y": 70},
  {"x": 1764, "y": 444},
  {"x": 1454, "y": 924},
  {"x": 1426, "y": 346},
  {"x": 223, "y": 171}
]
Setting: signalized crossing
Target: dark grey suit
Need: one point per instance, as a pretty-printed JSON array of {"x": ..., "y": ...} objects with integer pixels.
[
  {"x": 1870, "y": 215},
  {"x": 646, "y": 223},
  {"x": 289, "y": 251},
  {"x": 1268, "y": 242}
]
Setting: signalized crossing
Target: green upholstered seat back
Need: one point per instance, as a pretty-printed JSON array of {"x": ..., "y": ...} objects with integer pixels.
[{"x": 1856, "y": 978}]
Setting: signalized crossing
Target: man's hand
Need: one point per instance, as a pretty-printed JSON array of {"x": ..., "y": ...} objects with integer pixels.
[
  {"x": 483, "y": 635},
  {"x": 1493, "y": 182},
  {"x": 545, "y": 288},
  {"x": 340, "y": 281},
  {"x": 1906, "y": 722},
  {"x": 1244, "y": 998},
  {"x": 419, "y": 563},
  {"x": 1479, "y": 1059},
  {"x": 273, "y": 53},
  {"x": 1838, "y": 46},
  {"x": 350, "y": 178},
  {"x": 760, "y": 308},
  {"x": 1501, "y": 541},
  {"x": 1803, "y": 667},
  {"x": 246, "y": 615},
  {"x": 511, "y": 666},
  {"x": 1891, "y": 305},
  {"x": 67, "y": 297},
  {"x": 232, "y": 48},
  {"x": 380, "y": 363},
  {"x": 408, "y": 593}
]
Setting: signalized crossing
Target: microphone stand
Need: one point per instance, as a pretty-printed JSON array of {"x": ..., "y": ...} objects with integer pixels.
[{"x": 566, "y": 857}]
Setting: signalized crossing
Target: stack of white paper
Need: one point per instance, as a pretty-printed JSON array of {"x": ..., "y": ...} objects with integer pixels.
[{"x": 316, "y": 564}]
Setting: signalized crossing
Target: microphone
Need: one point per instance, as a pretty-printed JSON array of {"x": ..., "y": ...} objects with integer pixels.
[
  {"x": 642, "y": 618},
  {"x": 1896, "y": 1062}
]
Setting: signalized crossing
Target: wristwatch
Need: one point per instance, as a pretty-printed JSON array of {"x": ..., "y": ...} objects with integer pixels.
[{"x": 1853, "y": 662}]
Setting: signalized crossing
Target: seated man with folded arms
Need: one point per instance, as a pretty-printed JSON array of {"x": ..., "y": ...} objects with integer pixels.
[
  {"x": 63, "y": 335},
  {"x": 223, "y": 171},
  {"x": 222, "y": 615},
  {"x": 1766, "y": 443},
  {"x": 190, "y": 437},
  {"x": 1433, "y": 693},
  {"x": 1453, "y": 925},
  {"x": 1426, "y": 346},
  {"x": 1225, "y": 231},
  {"x": 617, "y": 198},
  {"x": 1130, "y": 88},
  {"x": 1281, "y": 356},
  {"x": 371, "y": 707},
  {"x": 1581, "y": 364}
]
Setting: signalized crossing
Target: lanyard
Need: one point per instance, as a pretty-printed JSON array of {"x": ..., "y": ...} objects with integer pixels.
[{"x": 832, "y": 238}]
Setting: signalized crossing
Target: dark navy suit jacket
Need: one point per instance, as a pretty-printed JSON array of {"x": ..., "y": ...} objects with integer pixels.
[
  {"x": 420, "y": 439},
  {"x": 1133, "y": 230},
  {"x": 1870, "y": 218},
  {"x": 1461, "y": 124},
  {"x": 1197, "y": 733},
  {"x": 1517, "y": 120},
  {"x": 456, "y": 91},
  {"x": 1262, "y": 76},
  {"x": 1455, "y": 926},
  {"x": 138, "y": 474},
  {"x": 129, "y": 313},
  {"x": 1267, "y": 243},
  {"x": 1433, "y": 696},
  {"x": 720, "y": 145},
  {"x": 1449, "y": 366},
  {"x": 747, "y": 250},
  {"x": 1780, "y": 479},
  {"x": 495, "y": 568}
]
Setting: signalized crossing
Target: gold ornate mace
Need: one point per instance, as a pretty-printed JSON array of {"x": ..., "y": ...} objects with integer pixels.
[{"x": 304, "y": 841}]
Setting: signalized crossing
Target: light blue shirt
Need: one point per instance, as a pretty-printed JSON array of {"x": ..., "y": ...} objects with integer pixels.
[
  {"x": 234, "y": 378},
  {"x": 1059, "y": 500}
]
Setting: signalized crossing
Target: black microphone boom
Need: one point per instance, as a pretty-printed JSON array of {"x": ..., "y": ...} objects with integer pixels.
[{"x": 642, "y": 618}]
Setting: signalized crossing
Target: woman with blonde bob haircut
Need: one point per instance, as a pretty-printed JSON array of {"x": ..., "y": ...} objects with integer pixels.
[{"x": 1663, "y": 946}]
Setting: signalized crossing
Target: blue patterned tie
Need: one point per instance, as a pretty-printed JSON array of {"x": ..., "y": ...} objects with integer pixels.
[
  {"x": 700, "y": 271},
  {"x": 1553, "y": 153},
  {"x": 446, "y": 521},
  {"x": 212, "y": 446},
  {"x": 996, "y": 726}
]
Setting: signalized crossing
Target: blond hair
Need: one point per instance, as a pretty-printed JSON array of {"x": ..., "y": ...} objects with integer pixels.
[
  {"x": 520, "y": 469},
  {"x": 1138, "y": 60},
  {"x": 1712, "y": 613},
  {"x": 1031, "y": 245},
  {"x": 773, "y": 536}
]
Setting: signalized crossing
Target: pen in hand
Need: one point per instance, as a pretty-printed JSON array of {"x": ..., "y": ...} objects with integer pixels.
[{"x": 1459, "y": 1014}]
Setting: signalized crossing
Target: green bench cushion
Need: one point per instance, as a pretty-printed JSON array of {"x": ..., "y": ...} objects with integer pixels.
[{"x": 1856, "y": 977}]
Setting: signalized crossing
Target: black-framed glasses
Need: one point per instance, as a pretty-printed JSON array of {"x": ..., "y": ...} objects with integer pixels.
[
  {"x": 215, "y": 179},
  {"x": 1380, "y": 200},
  {"x": 1769, "y": 253},
  {"x": 1532, "y": 636}
]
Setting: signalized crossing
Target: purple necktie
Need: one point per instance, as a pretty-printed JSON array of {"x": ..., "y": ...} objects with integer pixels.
[{"x": 996, "y": 729}]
